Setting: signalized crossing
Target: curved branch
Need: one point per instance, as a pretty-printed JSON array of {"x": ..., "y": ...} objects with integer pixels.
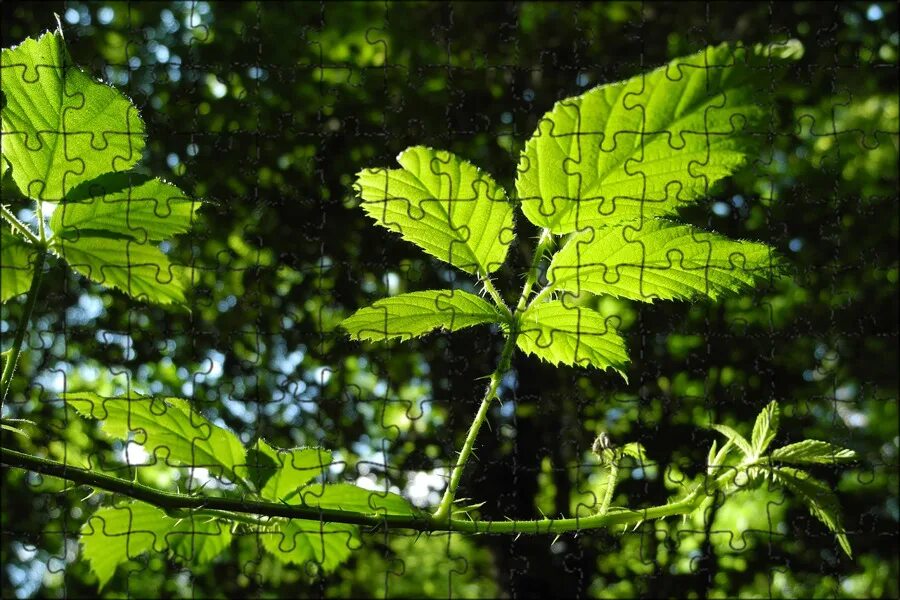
[{"x": 423, "y": 522}]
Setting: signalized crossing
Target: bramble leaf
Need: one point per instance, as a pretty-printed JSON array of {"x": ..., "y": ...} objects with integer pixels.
[
  {"x": 573, "y": 336},
  {"x": 116, "y": 534},
  {"x": 735, "y": 438},
  {"x": 635, "y": 451},
  {"x": 136, "y": 206},
  {"x": 417, "y": 313},
  {"x": 167, "y": 428},
  {"x": 818, "y": 497},
  {"x": 644, "y": 147},
  {"x": 813, "y": 451},
  {"x": 141, "y": 270},
  {"x": 60, "y": 126},
  {"x": 765, "y": 429},
  {"x": 299, "y": 542},
  {"x": 657, "y": 259},
  {"x": 345, "y": 496},
  {"x": 294, "y": 468},
  {"x": 16, "y": 265},
  {"x": 445, "y": 205}
]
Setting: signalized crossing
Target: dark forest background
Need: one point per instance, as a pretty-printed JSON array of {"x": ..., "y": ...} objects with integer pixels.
[{"x": 266, "y": 111}]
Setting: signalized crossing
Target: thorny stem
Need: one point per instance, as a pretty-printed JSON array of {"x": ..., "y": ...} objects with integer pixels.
[
  {"x": 544, "y": 243},
  {"x": 18, "y": 226},
  {"x": 10, "y": 366},
  {"x": 444, "y": 508},
  {"x": 233, "y": 508},
  {"x": 610, "y": 486}
]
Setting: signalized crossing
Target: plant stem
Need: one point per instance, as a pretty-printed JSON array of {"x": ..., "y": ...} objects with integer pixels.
[
  {"x": 544, "y": 243},
  {"x": 18, "y": 225},
  {"x": 444, "y": 508},
  {"x": 10, "y": 366},
  {"x": 492, "y": 291},
  {"x": 610, "y": 485},
  {"x": 420, "y": 522}
]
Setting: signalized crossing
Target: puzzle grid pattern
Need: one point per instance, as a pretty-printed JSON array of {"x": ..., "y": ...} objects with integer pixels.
[{"x": 378, "y": 398}]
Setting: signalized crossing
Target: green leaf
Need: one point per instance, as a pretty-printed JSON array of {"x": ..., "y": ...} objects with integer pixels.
[
  {"x": 417, "y": 313},
  {"x": 635, "y": 451},
  {"x": 345, "y": 496},
  {"x": 294, "y": 468},
  {"x": 139, "y": 269},
  {"x": 446, "y": 205},
  {"x": 657, "y": 259},
  {"x": 141, "y": 208},
  {"x": 735, "y": 438},
  {"x": 818, "y": 497},
  {"x": 571, "y": 335},
  {"x": 715, "y": 458},
  {"x": 60, "y": 126},
  {"x": 765, "y": 429},
  {"x": 16, "y": 265},
  {"x": 813, "y": 451},
  {"x": 649, "y": 145},
  {"x": 116, "y": 534},
  {"x": 301, "y": 542},
  {"x": 167, "y": 428}
]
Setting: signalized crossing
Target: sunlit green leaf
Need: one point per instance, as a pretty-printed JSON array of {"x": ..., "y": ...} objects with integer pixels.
[
  {"x": 417, "y": 313},
  {"x": 657, "y": 259},
  {"x": 294, "y": 468},
  {"x": 765, "y": 428},
  {"x": 300, "y": 542},
  {"x": 139, "y": 269},
  {"x": 61, "y": 126},
  {"x": 818, "y": 497},
  {"x": 572, "y": 335},
  {"x": 635, "y": 451},
  {"x": 813, "y": 451},
  {"x": 116, "y": 534},
  {"x": 16, "y": 264},
  {"x": 167, "y": 428},
  {"x": 345, "y": 496},
  {"x": 446, "y": 205},
  {"x": 735, "y": 438},
  {"x": 135, "y": 206},
  {"x": 646, "y": 146}
]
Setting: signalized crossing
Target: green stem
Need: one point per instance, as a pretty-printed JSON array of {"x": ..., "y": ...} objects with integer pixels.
[
  {"x": 420, "y": 522},
  {"x": 610, "y": 486},
  {"x": 492, "y": 291},
  {"x": 444, "y": 508},
  {"x": 18, "y": 225},
  {"x": 10, "y": 366},
  {"x": 544, "y": 243},
  {"x": 541, "y": 295}
]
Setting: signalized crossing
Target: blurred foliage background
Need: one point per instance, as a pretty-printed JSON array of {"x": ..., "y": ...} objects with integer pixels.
[{"x": 267, "y": 110}]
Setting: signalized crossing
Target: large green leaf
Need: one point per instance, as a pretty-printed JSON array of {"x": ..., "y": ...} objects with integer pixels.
[
  {"x": 167, "y": 428},
  {"x": 765, "y": 428},
  {"x": 61, "y": 126},
  {"x": 135, "y": 206},
  {"x": 139, "y": 269},
  {"x": 301, "y": 542},
  {"x": 446, "y": 205},
  {"x": 813, "y": 451},
  {"x": 657, "y": 259},
  {"x": 293, "y": 469},
  {"x": 16, "y": 265},
  {"x": 571, "y": 335},
  {"x": 116, "y": 534},
  {"x": 417, "y": 313},
  {"x": 648, "y": 145},
  {"x": 819, "y": 499},
  {"x": 345, "y": 496}
]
